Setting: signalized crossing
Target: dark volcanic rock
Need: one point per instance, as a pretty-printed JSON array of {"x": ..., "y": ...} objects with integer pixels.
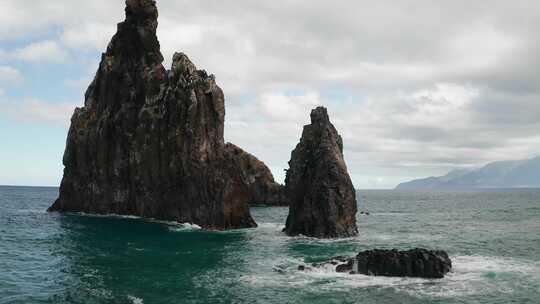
[
  {"x": 322, "y": 196},
  {"x": 412, "y": 263},
  {"x": 262, "y": 187},
  {"x": 149, "y": 142}
]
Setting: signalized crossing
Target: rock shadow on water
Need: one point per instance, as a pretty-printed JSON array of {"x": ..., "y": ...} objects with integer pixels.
[{"x": 108, "y": 259}]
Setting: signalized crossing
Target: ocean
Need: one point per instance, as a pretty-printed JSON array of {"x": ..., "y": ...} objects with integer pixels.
[{"x": 493, "y": 238}]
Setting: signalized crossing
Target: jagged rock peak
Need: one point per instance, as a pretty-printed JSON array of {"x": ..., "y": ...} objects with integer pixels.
[
  {"x": 135, "y": 39},
  {"x": 149, "y": 142},
  {"x": 182, "y": 65},
  {"x": 322, "y": 196},
  {"x": 319, "y": 115},
  {"x": 183, "y": 72},
  {"x": 141, "y": 11}
]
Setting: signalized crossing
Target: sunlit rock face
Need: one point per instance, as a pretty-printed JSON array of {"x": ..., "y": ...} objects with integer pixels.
[
  {"x": 149, "y": 141},
  {"x": 322, "y": 196}
]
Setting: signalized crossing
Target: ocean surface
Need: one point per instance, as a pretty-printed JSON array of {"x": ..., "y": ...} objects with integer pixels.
[{"x": 493, "y": 238}]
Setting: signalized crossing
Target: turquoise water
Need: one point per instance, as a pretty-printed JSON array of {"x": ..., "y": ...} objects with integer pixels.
[{"x": 493, "y": 238}]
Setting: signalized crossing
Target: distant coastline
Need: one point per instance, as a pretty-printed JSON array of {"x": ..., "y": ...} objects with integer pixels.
[
  {"x": 358, "y": 190},
  {"x": 27, "y": 186},
  {"x": 516, "y": 174}
]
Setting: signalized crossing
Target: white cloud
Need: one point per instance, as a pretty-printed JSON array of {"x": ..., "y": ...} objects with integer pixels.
[
  {"x": 480, "y": 48},
  {"x": 35, "y": 110},
  {"x": 88, "y": 36},
  {"x": 445, "y": 95},
  {"x": 79, "y": 84},
  {"x": 387, "y": 138},
  {"x": 425, "y": 91},
  {"x": 35, "y": 18},
  {"x": 10, "y": 75},
  {"x": 279, "y": 107},
  {"x": 41, "y": 52},
  {"x": 439, "y": 106}
]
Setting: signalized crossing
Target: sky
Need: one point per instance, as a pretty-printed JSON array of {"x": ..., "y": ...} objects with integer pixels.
[{"x": 416, "y": 88}]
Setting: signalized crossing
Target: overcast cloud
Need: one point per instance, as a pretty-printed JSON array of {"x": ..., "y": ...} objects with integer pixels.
[{"x": 415, "y": 87}]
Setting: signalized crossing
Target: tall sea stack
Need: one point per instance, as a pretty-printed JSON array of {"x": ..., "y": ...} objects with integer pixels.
[
  {"x": 322, "y": 196},
  {"x": 149, "y": 141}
]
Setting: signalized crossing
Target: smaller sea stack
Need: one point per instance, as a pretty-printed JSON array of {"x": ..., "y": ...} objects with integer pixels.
[{"x": 322, "y": 196}]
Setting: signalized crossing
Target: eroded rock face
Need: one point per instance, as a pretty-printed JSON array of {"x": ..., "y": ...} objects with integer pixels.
[
  {"x": 149, "y": 142},
  {"x": 322, "y": 196},
  {"x": 411, "y": 263},
  {"x": 262, "y": 187}
]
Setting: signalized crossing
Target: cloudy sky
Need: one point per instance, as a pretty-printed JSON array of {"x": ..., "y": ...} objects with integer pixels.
[{"x": 416, "y": 88}]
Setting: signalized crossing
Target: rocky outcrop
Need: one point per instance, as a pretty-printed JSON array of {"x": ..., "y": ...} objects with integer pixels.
[
  {"x": 149, "y": 141},
  {"x": 322, "y": 196},
  {"x": 262, "y": 187},
  {"x": 411, "y": 263}
]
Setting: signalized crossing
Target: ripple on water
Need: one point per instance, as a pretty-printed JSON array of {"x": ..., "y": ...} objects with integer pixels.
[{"x": 54, "y": 258}]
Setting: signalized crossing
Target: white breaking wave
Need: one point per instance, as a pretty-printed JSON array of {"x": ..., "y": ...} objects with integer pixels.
[
  {"x": 271, "y": 226},
  {"x": 410, "y": 237},
  {"x": 175, "y": 226},
  {"x": 32, "y": 211},
  {"x": 397, "y": 213},
  {"x": 314, "y": 240},
  {"x": 135, "y": 300},
  {"x": 471, "y": 275},
  {"x": 109, "y": 215},
  {"x": 476, "y": 263},
  {"x": 479, "y": 275}
]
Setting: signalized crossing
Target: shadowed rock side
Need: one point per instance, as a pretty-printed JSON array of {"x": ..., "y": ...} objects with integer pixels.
[
  {"x": 411, "y": 263},
  {"x": 149, "y": 142},
  {"x": 262, "y": 187},
  {"x": 322, "y": 196}
]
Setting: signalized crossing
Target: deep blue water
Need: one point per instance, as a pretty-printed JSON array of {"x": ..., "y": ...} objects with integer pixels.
[{"x": 493, "y": 238}]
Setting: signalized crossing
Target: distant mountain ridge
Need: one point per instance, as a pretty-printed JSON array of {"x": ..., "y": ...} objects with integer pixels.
[{"x": 501, "y": 174}]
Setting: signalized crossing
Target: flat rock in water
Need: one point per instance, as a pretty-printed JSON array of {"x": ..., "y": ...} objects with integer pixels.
[{"x": 417, "y": 262}]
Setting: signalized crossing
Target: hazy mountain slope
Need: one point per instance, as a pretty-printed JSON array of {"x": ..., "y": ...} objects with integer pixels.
[{"x": 502, "y": 174}]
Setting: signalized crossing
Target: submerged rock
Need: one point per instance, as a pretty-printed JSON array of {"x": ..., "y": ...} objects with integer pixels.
[
  {"x": 262, "y": 187},
  {"x": 149, "y": 142},
  {"x": 411, "y": 263},
  {"x": 322, "y": 196}
]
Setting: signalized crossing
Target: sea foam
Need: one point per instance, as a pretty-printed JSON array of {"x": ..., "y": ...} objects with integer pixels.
[
  {"x": 175, "y": 226},
  {"x": 135, "y": 300},
  {"x": 471, "y": 275}
]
